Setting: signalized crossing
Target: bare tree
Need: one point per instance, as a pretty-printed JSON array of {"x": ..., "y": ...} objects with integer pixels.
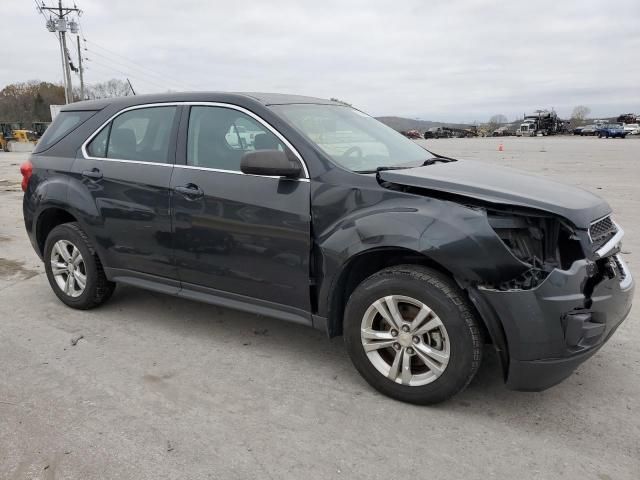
[
  {"x": 29, "y": 101},
  {"x": 496, "y": 121},
  {"x": 579, "y": 115},
  {"x": 108, "y": 89}
]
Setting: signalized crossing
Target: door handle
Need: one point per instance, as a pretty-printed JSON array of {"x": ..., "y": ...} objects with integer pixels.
[
  {"x": 93, "y": 174},
  {"x": 190, "y": 191}
]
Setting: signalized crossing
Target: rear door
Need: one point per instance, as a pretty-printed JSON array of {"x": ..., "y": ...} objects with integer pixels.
[
  {"x": 237, "y": 234},
  {"x": 125, "y": 172}
]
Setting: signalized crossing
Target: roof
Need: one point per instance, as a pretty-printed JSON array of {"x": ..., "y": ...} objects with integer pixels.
[{"x": 242, "y": 97}]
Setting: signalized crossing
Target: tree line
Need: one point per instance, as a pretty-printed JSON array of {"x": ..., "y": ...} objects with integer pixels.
[{"x": 29, "y": 102}]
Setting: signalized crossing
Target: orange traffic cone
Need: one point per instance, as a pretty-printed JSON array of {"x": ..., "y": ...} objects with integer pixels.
[{"x": 500, "y": 148}]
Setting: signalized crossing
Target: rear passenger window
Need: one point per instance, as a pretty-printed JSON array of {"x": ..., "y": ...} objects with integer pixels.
[
  {"x": 142, "y": 134},
  {"x": 218, "y": 137}
]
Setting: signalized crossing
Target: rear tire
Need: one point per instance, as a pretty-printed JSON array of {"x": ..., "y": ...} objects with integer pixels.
[
  {"x": 434, "y": 364},
  {"x": 73, "y": 268}
]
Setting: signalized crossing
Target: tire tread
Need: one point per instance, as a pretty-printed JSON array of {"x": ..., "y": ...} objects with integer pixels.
[
  {"x": 103, "y": 288},
  {"x": 456, "y": 296}
]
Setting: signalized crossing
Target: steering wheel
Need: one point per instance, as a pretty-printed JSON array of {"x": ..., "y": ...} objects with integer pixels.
[{"x": 357, "y": 150}]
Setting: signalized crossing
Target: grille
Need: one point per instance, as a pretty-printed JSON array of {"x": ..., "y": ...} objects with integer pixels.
[{"x": 601, "y": 232}]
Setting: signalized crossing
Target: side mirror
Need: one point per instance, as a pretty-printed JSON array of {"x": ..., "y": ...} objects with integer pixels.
[{"x": 275, "y": 163}]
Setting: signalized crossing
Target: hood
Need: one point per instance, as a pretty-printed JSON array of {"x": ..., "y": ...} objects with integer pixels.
[{"x": 504, "y": 186}]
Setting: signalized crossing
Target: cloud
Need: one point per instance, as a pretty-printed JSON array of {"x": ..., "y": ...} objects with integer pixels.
[{"x": 459, "y": 60}]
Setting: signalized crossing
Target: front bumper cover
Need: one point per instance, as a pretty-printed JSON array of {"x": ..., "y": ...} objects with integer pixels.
[{"x": 553, "y": 328}]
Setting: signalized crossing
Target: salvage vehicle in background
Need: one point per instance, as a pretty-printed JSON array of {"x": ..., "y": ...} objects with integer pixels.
[
  {"x": 501, "y": 132},
  {"x": 628, "y": 118},
  {"x": 412, "y": 134},
  {"x": 589, "y": 130},
  {"x": 613, "y": 130},
  {"x": 333, "y": 220},
  {"x": 542, "y": 123},
  {"x": 632, "y": 128},
  {"x": 437, "y": 132}
]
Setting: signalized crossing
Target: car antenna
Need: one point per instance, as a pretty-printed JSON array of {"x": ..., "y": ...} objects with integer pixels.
[{"x": 131, "y": 87}]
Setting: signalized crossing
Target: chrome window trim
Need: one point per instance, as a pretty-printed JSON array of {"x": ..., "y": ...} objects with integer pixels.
[
  {"x": 236, "y": 172},
  {"x": 259, "y": 119},
  {"x": 138, "y": 162}
]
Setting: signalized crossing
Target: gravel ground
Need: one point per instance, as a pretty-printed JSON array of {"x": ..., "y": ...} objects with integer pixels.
[{"x": 167, "y": 388}]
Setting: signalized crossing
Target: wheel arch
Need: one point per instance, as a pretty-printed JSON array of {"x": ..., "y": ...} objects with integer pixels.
[
  {"x": 368, "y": 262},
  {"x": 47, "y": 220},
  {"x": 362, "y": 265}
]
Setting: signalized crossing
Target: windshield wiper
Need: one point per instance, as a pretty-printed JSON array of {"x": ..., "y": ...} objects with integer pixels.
[
  {"x": 385, "y": 168},
  {"x": 431, "y": 161},
  {"x": 426, "y": 163}
]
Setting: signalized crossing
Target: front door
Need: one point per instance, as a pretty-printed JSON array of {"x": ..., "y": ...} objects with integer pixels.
[{"x": 237, "y": 234}]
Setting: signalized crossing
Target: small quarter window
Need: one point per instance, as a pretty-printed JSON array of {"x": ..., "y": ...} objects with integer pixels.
[{"x": 98, "y": 146}]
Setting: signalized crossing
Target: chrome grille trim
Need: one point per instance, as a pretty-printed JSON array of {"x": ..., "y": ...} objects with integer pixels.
[{"x": 611, "y": 243}]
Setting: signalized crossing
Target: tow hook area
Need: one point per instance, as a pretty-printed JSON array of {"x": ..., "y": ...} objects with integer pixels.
[{"x": 583, "y": 329}]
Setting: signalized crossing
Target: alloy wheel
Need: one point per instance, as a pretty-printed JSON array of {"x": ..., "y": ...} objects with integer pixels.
[
  {"x": 405, "y": 340},
  {"x": 68, "y": 268}
]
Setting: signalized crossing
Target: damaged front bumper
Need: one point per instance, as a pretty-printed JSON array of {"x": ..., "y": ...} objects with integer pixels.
[{"x": 554, "y": 327}]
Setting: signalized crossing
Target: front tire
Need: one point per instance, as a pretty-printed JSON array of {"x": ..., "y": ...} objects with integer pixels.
[
  {"x": 73, "y": 268},
  {"x": 411, "y": 333}
]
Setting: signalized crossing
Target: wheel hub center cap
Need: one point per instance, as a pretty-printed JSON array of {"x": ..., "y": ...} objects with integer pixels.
[{"x": 405, "y": 339}]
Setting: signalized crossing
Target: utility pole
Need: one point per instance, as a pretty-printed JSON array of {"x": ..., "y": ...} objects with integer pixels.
[
  {"x": 60, "y": 25},
  {"x": 63, "y": 40},
  {"x": 80, "y": 69},
  {"x": 64, "y": 69}
]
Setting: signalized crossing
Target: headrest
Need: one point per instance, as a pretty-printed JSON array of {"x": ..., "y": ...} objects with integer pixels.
[
  {"x": 264, "y": 141},
  {"x": 121, "y": 142}
]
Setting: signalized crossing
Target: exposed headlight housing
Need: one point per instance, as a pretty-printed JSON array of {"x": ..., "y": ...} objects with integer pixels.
[{"x": 541, "y": 242}]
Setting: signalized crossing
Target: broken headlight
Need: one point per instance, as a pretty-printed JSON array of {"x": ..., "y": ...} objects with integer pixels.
[{"x": 541, "y": 242}]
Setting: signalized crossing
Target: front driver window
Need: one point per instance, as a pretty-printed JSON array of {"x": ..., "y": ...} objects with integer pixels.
[{"x": 218, "y": 137}]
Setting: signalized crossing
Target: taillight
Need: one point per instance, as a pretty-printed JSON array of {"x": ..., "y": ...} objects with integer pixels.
[{"x": 26, "y": 169}]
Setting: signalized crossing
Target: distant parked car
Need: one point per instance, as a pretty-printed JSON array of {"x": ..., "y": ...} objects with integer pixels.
[
  {"x": 501, "y": 132},
  {"x": 437, "y": 132},
  {"x": 412, "y": 134},
  {"x": 612, "y": 130},
  {"x": 589, "y": 130},
  {"x": 632, "y": 128},
  {"x": 577, "y": 130}
]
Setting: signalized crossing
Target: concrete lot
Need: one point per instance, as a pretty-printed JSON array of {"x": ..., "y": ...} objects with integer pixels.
[{"x": 167, "y": 388}]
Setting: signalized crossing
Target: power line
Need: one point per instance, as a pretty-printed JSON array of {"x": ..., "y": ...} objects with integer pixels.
[
  {"x": 109, "y": 69},
  {"x": 123, "y": 65},
  {"x": 135, "y": 64}
]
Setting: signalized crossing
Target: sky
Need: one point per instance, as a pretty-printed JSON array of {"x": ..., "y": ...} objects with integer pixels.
[{"x": 455, "y": 60}]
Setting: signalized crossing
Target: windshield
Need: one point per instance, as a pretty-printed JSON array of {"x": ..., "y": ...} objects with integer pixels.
[{"x": 353, "y": 139}]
